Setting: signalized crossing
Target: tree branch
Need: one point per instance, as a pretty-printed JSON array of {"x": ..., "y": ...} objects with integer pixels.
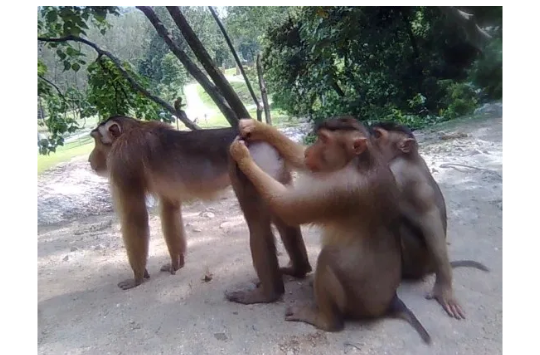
[
  {"x": 231, "y": 47},
  {"x": 193, "y": 70},
  {"x": 124, "y": 73},
  {"x": 264, "y": 94},
  {"x": 53, "y": 85}
]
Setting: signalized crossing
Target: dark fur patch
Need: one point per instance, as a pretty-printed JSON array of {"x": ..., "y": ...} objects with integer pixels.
[
  {"x": 393, "y": 127},
  {"x": 342, "y": 123}
]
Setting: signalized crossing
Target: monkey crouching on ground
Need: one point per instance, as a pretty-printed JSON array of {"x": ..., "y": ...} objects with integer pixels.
[
  {"x": 424, "y": 219},
  {"x": 141, "y": 158},
  {"x": 359, "y": 267}
]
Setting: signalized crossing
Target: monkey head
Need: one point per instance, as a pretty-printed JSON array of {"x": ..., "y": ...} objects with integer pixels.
[
  {"x": 393, "y": 140},
  {"x": 105, "y": 134},
  {"x": 339, "y": 140}
]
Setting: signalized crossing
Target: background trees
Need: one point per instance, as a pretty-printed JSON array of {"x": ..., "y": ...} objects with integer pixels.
[{"x": 417, "y": 65}]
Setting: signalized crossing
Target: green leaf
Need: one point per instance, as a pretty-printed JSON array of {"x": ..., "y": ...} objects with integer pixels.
[
  {"x": 61, "y": 54},
  {"x": 75, "y": 66},
  {"x": 67, "y": 65},
  {"x": 51, "y": 16}
]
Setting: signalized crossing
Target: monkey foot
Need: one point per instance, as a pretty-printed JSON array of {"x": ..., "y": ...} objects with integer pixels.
[
  {"x": 131, "y": 283},
  {"x": 174, "y": 266},
  {"x": 251, "y": 296},
  {"x": 310, "y": 315},
  {"x": 170, "y": 268},
  {"x": 447, "y": 300},
  {"x": 299, "y": 273}
]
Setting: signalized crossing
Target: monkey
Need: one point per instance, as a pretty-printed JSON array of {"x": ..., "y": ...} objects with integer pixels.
[
  {"x": 358, "y": 269},
  {"x": 424, "y": 217},
  {"x": 419, "y": 254},
  {"x": 141, "y": 158}
]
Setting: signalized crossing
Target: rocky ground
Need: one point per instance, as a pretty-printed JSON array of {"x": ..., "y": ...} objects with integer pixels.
[{"x": 81, "y": 258}]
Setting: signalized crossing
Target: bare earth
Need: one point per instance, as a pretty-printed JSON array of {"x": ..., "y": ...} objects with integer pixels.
[{"x": 82, "y": 258}]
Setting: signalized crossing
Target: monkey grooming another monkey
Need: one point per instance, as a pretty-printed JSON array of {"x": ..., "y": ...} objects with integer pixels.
[
  {"x": 421, "y": 254},
  {"x": 141, "y": 158},
  {"x": 359, "y": 267},
  {"x": 423, "y": 231}
]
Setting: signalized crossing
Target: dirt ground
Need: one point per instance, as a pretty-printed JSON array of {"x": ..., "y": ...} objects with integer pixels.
[{"x": 81, "y": 258}]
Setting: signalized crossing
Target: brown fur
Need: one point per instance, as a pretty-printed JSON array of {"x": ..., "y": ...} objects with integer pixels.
[
  {"x": 143, "y": 158},
  {"x": 359, "y": 267},
  {"x": 424, "y": 221}
]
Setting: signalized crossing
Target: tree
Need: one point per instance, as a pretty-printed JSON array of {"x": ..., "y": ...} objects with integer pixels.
[
  {"x": 404, "y": 63},
  {"x": 62, "y": 27}
]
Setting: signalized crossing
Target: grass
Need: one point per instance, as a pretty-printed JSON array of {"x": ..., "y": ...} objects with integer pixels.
[
  {"x": 82, "y": 146},
  {"x": 230, "y": 71}
]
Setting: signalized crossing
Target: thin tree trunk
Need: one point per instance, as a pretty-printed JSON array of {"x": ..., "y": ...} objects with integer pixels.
[
  {"x": 264, "y": 93},
  {"x": 193, "y": 70},
  {"x": 204, "y": 58},
  {"x": 235, "y": 55}
]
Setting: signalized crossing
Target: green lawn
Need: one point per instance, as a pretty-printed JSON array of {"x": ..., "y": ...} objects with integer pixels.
[{"x": 82, "y": 146}]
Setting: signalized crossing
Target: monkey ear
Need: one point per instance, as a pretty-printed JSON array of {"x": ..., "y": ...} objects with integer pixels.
[
  {"x": 379, "y": 133},
  {"x": 115, "y": 130},
  {"x": 406, "y": 145},
  {"x": 359, "y": 145},
  {"x": 324, "y": 136}
]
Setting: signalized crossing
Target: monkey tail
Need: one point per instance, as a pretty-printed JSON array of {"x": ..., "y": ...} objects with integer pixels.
[
  {"x": 469, "y": 263},
  {"x": 399, "y": 309}
]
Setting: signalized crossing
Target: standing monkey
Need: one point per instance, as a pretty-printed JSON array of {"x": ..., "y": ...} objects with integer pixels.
[
  {"x": 423, "y": 231},
  {"x": 359, "y": 267},
  {"x": 141, "y": 158}
]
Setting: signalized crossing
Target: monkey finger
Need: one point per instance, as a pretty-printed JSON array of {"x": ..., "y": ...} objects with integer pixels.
[{"x": 457, "y": 311}]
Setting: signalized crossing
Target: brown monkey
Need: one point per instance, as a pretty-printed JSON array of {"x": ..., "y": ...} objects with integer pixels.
[
  {"x": 417, "y": 251},
  {"x": 151, "y": 157},
  {"x": 424, "y": 223},
  {"x": 359, "y": 267}
]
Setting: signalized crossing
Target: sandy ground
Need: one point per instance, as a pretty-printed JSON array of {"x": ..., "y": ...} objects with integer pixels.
[{"x": 81, "y": 258}]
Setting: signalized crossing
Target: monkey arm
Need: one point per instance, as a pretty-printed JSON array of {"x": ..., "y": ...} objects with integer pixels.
[
  {"x": 311, "y": 202},
  {"x": 430, "y": 224}
]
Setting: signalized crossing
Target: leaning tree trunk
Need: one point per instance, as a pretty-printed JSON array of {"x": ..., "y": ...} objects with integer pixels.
[
  {"x": 240, "y": 66},
  {"x": 264, "y": 94},
  {"x": 204, "y": 58},
  {"x": 230, "y": 115}
]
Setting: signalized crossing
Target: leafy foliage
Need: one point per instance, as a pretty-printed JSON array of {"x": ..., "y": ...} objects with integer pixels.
[
  {"x": 110, "y": 93},
  {"x": 403, "y": 63}
]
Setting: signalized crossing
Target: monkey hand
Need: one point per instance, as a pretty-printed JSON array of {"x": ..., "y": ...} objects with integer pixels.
[
  {"x": 250, "y": 129},
  {"x": 445, "y": 297},
  {"x": 239, "y": 151}
]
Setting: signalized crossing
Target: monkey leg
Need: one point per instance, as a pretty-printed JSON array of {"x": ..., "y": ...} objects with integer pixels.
[
  {"x": 330, "y": 300},
  {"x": 173, "y": 230},
  {"x": 135, "y": 233},
  {"x": 294, "y": 244},
  {"x": 261, "y": 242}
]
